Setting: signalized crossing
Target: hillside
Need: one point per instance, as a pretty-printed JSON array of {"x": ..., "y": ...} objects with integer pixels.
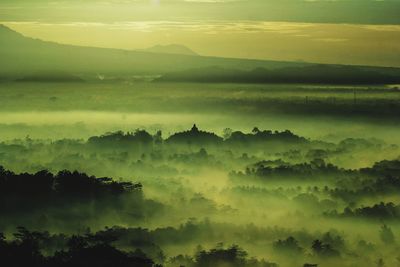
[
  {"x": 171, "y": 49},
  {"x": 22, "y": 56}
]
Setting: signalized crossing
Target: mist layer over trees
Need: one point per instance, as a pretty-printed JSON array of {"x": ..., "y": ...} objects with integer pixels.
[{"x": 194, "y": 198}]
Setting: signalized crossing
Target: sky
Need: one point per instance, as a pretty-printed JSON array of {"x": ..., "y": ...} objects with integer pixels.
[{"x": 363, "y": 32}]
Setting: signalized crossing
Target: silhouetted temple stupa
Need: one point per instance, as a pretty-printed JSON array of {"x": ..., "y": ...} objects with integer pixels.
[
  {"x": 194, "y": 128},
  {"x": 194, "y": 136}
]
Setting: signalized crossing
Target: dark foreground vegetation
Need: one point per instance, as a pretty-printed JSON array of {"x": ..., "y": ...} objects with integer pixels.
[{"x": 97, "y": 249}]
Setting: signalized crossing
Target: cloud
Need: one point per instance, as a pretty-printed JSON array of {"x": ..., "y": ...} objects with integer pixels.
[
  {"x": 321, "y": 11},
  {"x": 238, "y": 27},
  {"x": 331, "y": 40},
  {"x": 292, "y": 28},
  {"x": 316, "y": 42}
]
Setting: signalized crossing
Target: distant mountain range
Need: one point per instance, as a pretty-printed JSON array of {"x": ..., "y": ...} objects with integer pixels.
[
  {"x": 23, "y": 55},
  {"x": 28, "y": 59},
  {"x": 171, "y": 49}
]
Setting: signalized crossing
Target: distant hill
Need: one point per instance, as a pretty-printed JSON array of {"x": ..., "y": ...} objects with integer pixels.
[
  {"x": 320, "y": 74},
  {"x": 24, "y": 58},
  {"x": 171, "y": 49},
  {"x": 21, "y": 56}
]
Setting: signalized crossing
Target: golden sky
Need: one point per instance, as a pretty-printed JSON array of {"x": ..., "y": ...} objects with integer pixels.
[{"x": 351, "y": 32}]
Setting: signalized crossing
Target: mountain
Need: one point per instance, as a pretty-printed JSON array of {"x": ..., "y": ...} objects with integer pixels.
[
  {"x": 171, "y": 49},
  {"x": 26, "y": 58},
  {"x": 310, "y": 74},
  {"x": 23, "y": 56}
]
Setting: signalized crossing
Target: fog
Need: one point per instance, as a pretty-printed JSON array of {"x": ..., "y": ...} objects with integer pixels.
[
  {"x": 269, "y": 175},
  {"x": 83, "y": 110}
]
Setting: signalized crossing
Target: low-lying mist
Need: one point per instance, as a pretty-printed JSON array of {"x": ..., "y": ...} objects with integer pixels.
[
  {"x": 189, "y": 197},
  {"x": 154, "y": 174}
]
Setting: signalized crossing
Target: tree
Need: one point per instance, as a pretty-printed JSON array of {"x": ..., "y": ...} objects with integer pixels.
[
  {"x": 380, "y": 263},
  {"x": 317, "y": 246},
  {"x": 227, "y": 132},
  {"x": 387, "y": 235},
  {"x": 233, "y": 256},
  {"x": 290, "y": 245},
  {"x": 255, "y": 130},
  {"x": 324, "y": 250},
  {"x": 158, "y": 137}
]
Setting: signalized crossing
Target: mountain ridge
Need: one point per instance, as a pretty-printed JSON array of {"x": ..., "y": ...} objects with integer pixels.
[
  {"x": 23, "y": 56},
  {"x": 27, "y": 55},
  {"x": 171, "y": 49}
]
